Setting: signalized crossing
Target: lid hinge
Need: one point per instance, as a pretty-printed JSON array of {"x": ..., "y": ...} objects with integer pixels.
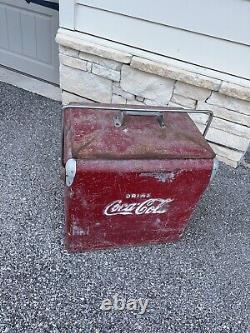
[{"x": 214, "y": 169}]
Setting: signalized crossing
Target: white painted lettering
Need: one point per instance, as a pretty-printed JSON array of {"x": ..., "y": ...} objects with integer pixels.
[{"x": 150, "y": 206}]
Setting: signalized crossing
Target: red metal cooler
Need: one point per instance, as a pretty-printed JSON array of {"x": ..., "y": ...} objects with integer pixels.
[{"x": 133, "y": 174}]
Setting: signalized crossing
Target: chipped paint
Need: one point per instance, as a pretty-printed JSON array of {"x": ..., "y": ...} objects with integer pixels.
[
  {"x": 161, "y": 176},
  {"x": 79, "y": 231}
]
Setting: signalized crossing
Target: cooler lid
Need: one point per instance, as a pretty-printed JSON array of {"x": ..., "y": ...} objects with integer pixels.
[{"x": 90, "y": 132}]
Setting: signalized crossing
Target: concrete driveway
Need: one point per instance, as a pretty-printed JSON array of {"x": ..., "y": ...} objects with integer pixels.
[{"x": 200, "y": 284}]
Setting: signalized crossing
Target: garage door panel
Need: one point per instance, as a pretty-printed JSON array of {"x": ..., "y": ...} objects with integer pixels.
[
  {"x": 14, "y": 30},
  {"x": 28, "y": 26},
  {"x": 3, "y": 26},
  {"x": 27, "y": 39},
  {"x": 43, "y": 26}
]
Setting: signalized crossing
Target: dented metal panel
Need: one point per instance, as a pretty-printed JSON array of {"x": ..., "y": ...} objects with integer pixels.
[{"x": 134, "y": 188}]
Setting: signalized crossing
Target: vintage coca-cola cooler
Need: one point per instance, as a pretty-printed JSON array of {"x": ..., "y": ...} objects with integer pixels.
[{"x": 133, "y": 174}]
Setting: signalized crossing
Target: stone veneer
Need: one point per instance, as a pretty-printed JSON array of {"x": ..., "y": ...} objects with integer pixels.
[{"x": 90, "y": 72}]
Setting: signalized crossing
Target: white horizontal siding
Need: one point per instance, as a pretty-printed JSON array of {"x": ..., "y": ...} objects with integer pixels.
[
  {"x": 226, "y": 19},
  {"x": 67, "y": 14},
  {"x": 212, "y": 34}
]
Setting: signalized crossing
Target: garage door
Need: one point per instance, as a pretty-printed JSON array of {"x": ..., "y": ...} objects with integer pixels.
[{"x": 27, "y": 39}]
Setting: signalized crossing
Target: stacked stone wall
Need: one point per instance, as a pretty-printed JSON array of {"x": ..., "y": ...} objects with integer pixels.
[{"x": 94, "y": 73}]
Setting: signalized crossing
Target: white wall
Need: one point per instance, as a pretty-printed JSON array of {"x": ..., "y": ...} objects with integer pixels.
[{"x": 212, "y": 34}]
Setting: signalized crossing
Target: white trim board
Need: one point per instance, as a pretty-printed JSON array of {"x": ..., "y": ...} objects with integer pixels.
[{"x": 30, "y": 84}]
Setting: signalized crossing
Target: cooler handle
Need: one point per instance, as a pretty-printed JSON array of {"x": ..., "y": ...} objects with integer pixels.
[{"x": 119, "y": 118}]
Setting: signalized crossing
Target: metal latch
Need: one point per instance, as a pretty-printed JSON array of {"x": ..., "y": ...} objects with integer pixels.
[{"x": 70, "y": 171}]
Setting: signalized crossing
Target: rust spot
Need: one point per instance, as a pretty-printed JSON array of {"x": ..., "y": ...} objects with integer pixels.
[{"x": 83, "y": 146}]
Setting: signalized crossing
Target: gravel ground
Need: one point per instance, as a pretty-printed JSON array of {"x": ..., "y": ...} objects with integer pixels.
[{"x": 199, "y": 284}]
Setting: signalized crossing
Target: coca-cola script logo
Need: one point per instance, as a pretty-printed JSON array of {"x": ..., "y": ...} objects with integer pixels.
[{"x": 150, "y": 206}]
